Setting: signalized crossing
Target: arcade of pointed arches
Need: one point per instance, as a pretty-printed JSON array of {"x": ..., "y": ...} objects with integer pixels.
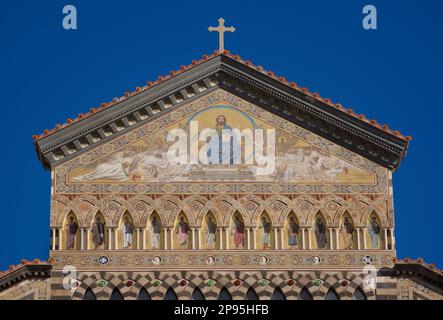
[{"x": 278, "y": 211}]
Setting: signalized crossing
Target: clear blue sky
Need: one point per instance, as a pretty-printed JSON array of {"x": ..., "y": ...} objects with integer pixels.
[{"x": 49, "y": 74}]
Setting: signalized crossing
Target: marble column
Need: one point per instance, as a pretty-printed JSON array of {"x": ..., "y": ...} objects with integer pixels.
[
  {"x": 276, "y": 238},
  {"x": 144, "y": 239},
  {"x": 385, "y": 233},
  {"x": 309, "y": 238},
  {"x": 165, "y": 237},
  {"x": 254, "y": 239},
  {"x": 358, "y": 238},
  {"x": 363, "y": 230},
  {"x": 337, "y": 240},
  {"x": 331, "y": 245},
  {"x": 88, "y": 236},
  {"x": 220, "y": 240},
  {"x": 53, "y": 238},
  {"x": 226, "y": 232},
  {"x": 193, "y": 238},
  {"x": 82, "y": 239},
  {"x": 199, "y": 232},
  {"x": 281, "y": 238},
  {"x": 392, "y": 239},
  {"x": 248, "y": 237},
  {"x": 303, "y": 239},
  {"x": 60, "y": 239},
  {"x": 138, "y": 239},
  {"x": 171, "y": 237}
]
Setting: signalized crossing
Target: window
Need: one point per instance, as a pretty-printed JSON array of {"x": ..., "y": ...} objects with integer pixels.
[
  {"x": 89, "y": 295},
  {"x": 170, "y": 295},
  {"x": 116, "y": 295},
  {"x": 251, "y": 295},
  {"x": 143, "y": 295},
  {"x": 359, "y": 295},
  {"x": 278, "y": 294},
  {"x": 304, "y": 295},
  {"x": 224, "y": 295},
  {"x": 197, "y": 295},
  {"x": 332, "y": 295}
]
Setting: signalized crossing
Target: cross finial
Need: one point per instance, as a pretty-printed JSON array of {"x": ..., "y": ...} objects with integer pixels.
[{"x": 221, "y": 29}]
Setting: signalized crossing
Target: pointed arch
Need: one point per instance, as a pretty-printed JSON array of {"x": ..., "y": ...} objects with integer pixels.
[
  {"x": 89, "y": 295},
  {"x": 170, "y": 294},
  {"x": 126, "y": 234},
  {"x": 224, "y": 294},
  {"x": 183, "y": 237},
  {"x": 278, "y": 294},
  {"x": 154, "y": 232},
  {"x": 238, "y": 237},
  {"x": 116, "y": 295},
  {"x": 305, "y": 294},
  {"x": 96, "y": 240},
  {"x": 197, "y": 294},
  {"x": 332, "y": 294},
  {"x": 209, "y": 232},
  {"x": 348, "y": 232},
  {"x": 251, "y": 295},
  {"x": 374, "y": 231},
  {"x": 70, "y": 232},
  {"x": 359, "y": 294},
  {"x": 143, "y": 295},
  {"x": 292, "y": 235},
  {"x": 320, "y": 231},
  {"x": 264, "y": 235}
]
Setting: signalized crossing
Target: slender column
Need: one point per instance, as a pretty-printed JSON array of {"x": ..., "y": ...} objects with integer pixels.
[
  {"x": 171, "y": 237},
  {"x": 358, "y": 238},
  {"x": 82, "y": 239},
  {"x": 248, "y": 237},
  {"x": 220, "y": 240},
  {"x": 193, "y": 238},
  {"x": 226, "y": 237},
  {"x": 199, "y": 238},
  {"x": 110, "y": 239},
  {"x": 53, "y": 239},
  {"x": 303, "y": 242},
  {"x": 391, "y": 235},
  {"x": 144, "y": 239},
  {"x": 276, "y": 237},
  {"x": 385, "y": 233},
  {"x": 115, "y": 232},
  {"x": 331, "y": 245},
  {"x": 60, "y": 239},
  {"x": 88, "y": 236},
  {"x": 254, "y": 238},
  {"x": 281, "y": 238},
  {"x": 363, "y": 230},
  {"x": 309, "y": 238},
  {"x": 337, "y": 240},
  {"x": 165, "y": 237},
  {"x": 138, "y": 239}
]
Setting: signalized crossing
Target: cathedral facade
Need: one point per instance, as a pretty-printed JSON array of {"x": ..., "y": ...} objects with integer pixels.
[{"x": 221, "y": 180}]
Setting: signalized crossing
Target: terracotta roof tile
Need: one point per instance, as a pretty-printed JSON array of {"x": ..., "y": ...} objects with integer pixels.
[
  {"x": 419, "y": 261},
  {"x": 23, "y": 264},
  {"x": 205, "y": 57}
]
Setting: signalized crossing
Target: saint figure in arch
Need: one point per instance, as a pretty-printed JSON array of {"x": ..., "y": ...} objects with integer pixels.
[
  {"x": 182, "y": 230},
  {"x": 266, "y": 236},
  {"x": 71, "y": 231},
  {"x": 211, "y": 229},
  {"x": 320, "y": 233},
  {"x": 239, "y": 232},
  {"x": 292, "y": 232},
  {"x": 374, "y": 232},
  {"x": 155, "y": 231},
  {"x": 127, "y": 231},
  {"x": 347, "y": 232},
  {"x": 98, "y": 232}
]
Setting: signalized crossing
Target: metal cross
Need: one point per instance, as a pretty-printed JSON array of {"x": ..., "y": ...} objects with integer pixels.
[{"x": 221, "y": 29}]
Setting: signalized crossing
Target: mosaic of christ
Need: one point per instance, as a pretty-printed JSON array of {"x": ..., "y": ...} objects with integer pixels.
[{"x": 146, "y": 160}]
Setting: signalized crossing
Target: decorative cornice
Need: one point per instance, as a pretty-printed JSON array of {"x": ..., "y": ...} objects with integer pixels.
[
  {"x": 377, "y": 143},
  {"x": 24, "y": 270}
]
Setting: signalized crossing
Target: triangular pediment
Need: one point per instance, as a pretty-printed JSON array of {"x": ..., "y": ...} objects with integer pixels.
[{"x": 220, "y": 71}]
